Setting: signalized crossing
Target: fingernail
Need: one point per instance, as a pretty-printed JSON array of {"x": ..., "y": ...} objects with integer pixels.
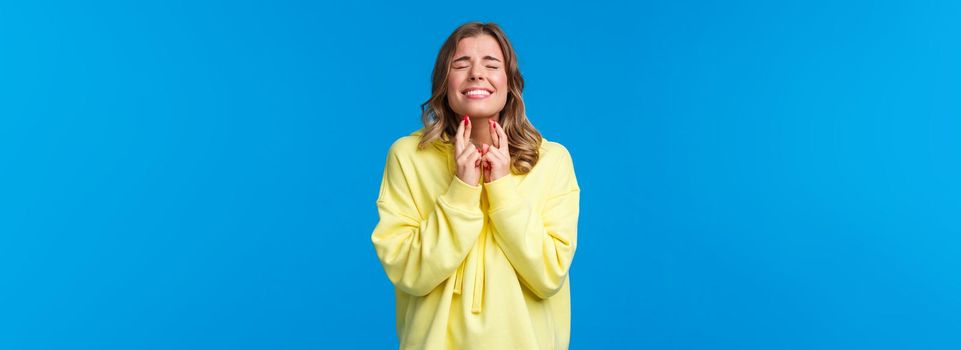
[{"x": 466, "y": 120}]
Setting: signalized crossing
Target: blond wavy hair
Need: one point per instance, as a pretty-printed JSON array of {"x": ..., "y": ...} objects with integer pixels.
[{"x": 440, "y": 121}]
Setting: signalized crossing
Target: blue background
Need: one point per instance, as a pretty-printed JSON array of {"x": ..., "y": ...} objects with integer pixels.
[{"x": 186, "y": 175}]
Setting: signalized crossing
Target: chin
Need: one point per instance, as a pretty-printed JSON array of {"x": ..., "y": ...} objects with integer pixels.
[{"x": 481, "y": 111}]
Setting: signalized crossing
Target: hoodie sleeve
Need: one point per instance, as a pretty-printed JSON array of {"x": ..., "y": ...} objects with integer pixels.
[
  {"x": 540, "y": 245},
  {"x": 418, "y": 254}
]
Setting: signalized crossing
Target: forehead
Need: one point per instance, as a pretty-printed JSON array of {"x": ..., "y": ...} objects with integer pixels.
[{"x": 479, "y": 46}]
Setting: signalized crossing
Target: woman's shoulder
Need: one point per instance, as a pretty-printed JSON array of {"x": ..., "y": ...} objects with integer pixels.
[
  {"x": 557, "y": 162},
  {"x": 554, "y": 151},
  {"x": 409, "y": 145},
  {"x": 406, "y": 143}
]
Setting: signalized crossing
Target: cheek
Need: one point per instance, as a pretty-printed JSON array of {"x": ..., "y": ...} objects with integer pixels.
[
  {"x": 453, "y": 84},
  {"x": 453, "y": 95},
  {"x": 499, "y": 81},
  {"x": 454, "y": 79}
]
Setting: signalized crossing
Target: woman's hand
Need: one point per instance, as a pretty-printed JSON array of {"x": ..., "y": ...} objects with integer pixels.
[
  {"x": 496, "y": 159},
  {"x": 467, "y": 155}
]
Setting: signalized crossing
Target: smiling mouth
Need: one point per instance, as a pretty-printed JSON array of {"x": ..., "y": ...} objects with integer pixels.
[{"x": 477, "y": 93}]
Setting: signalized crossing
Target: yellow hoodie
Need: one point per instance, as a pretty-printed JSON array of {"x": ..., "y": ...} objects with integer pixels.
[{"x": 477, "y": 267}]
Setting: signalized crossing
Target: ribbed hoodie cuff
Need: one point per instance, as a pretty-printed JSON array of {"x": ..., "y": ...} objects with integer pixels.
[
  {"x": 501, "y": 192},
  {"x": 462, "y": 195}
]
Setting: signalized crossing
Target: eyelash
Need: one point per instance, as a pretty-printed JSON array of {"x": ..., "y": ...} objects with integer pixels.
[{"x": 491, "y": 67}]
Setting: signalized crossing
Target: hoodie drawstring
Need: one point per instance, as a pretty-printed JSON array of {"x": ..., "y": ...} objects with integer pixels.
[
  {"x": 459, "y": 277},
  {"x": 477, "y": 295},
  {"x": 479, "y": 278}
]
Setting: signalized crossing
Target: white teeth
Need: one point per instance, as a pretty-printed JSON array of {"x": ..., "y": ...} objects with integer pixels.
[{"x": 478, "y": 93}]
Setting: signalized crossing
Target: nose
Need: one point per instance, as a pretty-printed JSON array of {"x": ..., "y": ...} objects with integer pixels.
[{"x": 476, "y": 74}]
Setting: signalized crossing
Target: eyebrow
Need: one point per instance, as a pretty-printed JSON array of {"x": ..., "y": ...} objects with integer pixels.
[{"x": 467, "y": 58}]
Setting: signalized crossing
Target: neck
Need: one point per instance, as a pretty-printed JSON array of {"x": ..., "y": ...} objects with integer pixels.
[{"x": 480, "y": 132}]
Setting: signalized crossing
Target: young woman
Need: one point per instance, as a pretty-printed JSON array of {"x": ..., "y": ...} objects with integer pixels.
[{"x": 478, "y": 212}]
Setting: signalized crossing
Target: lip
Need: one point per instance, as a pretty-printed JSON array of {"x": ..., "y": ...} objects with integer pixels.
[{"x": 476, "y": 97}]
